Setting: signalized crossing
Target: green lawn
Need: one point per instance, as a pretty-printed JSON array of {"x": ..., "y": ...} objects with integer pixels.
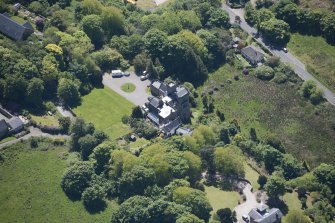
[
  {"x": 128, "y": 87},
  {"x": 140, "y": 142},
  {"x": 252, "y": 176},
  {"x": 221, "y": 199},
  {"x": 317, "y": 55},
  {"x": 274, "y": 110},
  {"x": 146, "y": 4},
  {"x": 292, "y": 201},
  {"x": 30, "y": 187},
  {"x": 46, "y": 119},
  {"x": 105, "y": 108},
  {"x": 18, "y": 19}
]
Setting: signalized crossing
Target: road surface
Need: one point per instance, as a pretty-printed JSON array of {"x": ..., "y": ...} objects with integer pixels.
[
  {"x": 295, "y": 63},
  {"x": 33, "y": 132},
  {"x": 138, "y": 97}
]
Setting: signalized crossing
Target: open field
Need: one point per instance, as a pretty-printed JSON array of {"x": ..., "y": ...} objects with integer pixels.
[
  {"x": 30, "y": 187},
  {"x": 317, "y": 4},
  {"x": 221, "y": 199},
  {"x": 277, "y": 111},
  {"x": 252, "y": 176},
  {"x": 317, "y": 54},
  {"x": 105, "y": 108},
  {"x": 46, "y": 119}
]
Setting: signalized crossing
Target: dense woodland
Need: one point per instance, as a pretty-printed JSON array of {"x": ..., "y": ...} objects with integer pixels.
[{"x": 185, "y": 41}]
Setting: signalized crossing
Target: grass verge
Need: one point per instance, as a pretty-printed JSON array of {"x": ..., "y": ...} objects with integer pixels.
[
  {"x": 105, "y": 108},
  {"x": 317, "y": 54}
]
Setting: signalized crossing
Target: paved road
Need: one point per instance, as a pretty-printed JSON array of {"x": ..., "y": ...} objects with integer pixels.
[
  {"x": 250, "y": 203},
  {"x": 296, "y": 64},
  {"x": 138, "y": 97},
  {"x": 33, "y": 132}
]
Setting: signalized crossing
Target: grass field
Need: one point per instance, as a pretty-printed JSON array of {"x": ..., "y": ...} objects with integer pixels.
[
  {"x": 46, "y": 119},
  {"x": 317, "y": 54},
  {"x": 275, "y": 110},
  {"x": 30, "y": 187},
  {"x": 105, "y": 108},
  {"x": 7, "y": 139},
  {"x": 128, "y": 87},
  {"x": 221, "y": 199}
]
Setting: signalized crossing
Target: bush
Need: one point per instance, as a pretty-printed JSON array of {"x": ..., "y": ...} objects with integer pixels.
[
  {"x": 94, "y": 198},
  {"x": 280, "y": 78},
  {"x": 64, "y": 124},
  {"x": 49, "y": 106},
  {"x": 262, "y": 180},
  {"x": 264, "y": 73},
  {"x": 33, "y": 142}
]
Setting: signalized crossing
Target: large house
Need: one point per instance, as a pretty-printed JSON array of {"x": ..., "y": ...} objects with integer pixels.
[
  {"x": 10, "y": 126},
  {"x": 14, "y": 30},
  {"x": 252, "y": 55},
  {"x": 169, "y": 106},
  {"x": 262, "y": 214}
]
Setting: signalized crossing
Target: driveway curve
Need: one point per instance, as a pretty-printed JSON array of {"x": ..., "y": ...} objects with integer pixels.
[
  {"x": 138, "y": 97},
  {"x": 250, "y": 203}
]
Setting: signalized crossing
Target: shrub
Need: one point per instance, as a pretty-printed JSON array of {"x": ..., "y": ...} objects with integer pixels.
[
  {"x": 264, "y": 73},
  {"x": 94, "y": 198}
]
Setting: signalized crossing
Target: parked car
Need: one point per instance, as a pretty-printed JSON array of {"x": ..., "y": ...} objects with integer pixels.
[
  {"x": 145, "y": 109},
  {"x": 144, "y": 77},
  {"x": 285, "y": 50},
  {"x": 126, "y": 74},
  {"x": 117, "y": 73},
  {"x": 245, "y": 218}
]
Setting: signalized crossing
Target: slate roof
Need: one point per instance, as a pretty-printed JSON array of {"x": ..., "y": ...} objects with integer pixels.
[
  {"x": 181, "y": 92},
  {"x": 15, "y": 123},
  {"x": 3, "y": 127},
  {"x": 171, "y": 127},
  {"x": 155, "y": 102},
  {"x": 153, "y": 117},
  {"x": 253, "y": 53},
  {"x": 272, "y": 216},
  {"x": 13, "y": 29}
]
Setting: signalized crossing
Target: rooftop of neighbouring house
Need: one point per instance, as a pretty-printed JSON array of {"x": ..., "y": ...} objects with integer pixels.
[
  {"x": 253, "y": 52},
  {"x": 13, "y": 29}
]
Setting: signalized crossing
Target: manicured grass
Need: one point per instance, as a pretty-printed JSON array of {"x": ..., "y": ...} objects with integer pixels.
[
  {"x": 252, "y": 176},
  {"x": 140, "y": 142},
  {"x": 292, "y": 201},
  {"x": 128, "y": 87},
  {"x": 105, "y": 108},
  {"x": 221, "y": 199},
  {"x": 7, "y": 139},
  {"x": 274, "y": 110},
  {"x": 18, "y": 19},
  {"x": 46, "y": 119},
  {"x": 30, "y": 187},
  {"x": 317, "y": 55}
]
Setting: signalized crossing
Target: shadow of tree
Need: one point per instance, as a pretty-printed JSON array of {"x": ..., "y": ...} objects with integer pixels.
[{"x": 278, "y": 203}]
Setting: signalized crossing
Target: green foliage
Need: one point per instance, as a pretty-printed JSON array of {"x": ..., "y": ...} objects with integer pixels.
[
  {"x": 321, "y": 211},
  {"x": 276, "y": 30},
  {"x": 137, "y": 112},
  {"x": 92, "y": 26},
  {"x": 309, "y": 90},
  {"x": 190, "y": 218},
  {"x": 295, "y": 216},
  {"x": 325, "y": 174},
  {"x": 262, "y": 180},
  {"x": 76, "y": 179},
  {"x": 113, "y": 21},
  {"x": 86, "y": 145},
  {"x": 275, "y": 186},
  {"x": 229, "y": 161},
  {"x": 35, "y": 90},
  {"x": 68, "y": 91},
  {"x": 264, "y": 73},
  {"x": 226, "y": 215},
  {"x": 94, "y": 198},
  {"x": 194, "y": 199},
  {"x": 219, "y": 18},
  {"x": 64, "y": 124},
  {"x": 88, "y": 7},
  {"x": 109, "y": 59}
]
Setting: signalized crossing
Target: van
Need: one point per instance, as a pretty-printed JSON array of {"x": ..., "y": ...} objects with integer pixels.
[{"x": 117, "y": 73}]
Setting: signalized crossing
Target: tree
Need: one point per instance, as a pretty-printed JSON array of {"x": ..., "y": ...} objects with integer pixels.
[
  {"x": 190, "y": 218},
  {"x": 88, "y": 7},
  {"x": 86, "y": 145},
  {"x": 14, "y": 87},
  {"x": 155, "y": 42},
  {"x": 291, "y": 167},
  {"x": 308, "y": 88},
  {"x": 64, "y": 124},
  {"x": 137, "y": 112},
  {"x": 276, "y": 30},
  {"x": 140, "y": 63},
  {"x": 94, "y": 198},
  {"x": 224, "y": 136},
  {"x": 229, "y": 161},
  {"x": 272, "y": 158},
  {"x": 226, "y": 215},
  {"x": 219, "y": 18},
  {"x": 112, "y": 21},
  {"x": 68, "y": 91},
  {"x": 264, "y": 15},
  {"x": 136, "y": 181},
  {"x": 264, "y": 73},
  {"x": 76, "y": 179},
  {"x": 189, "y": 20},
  {"x": 36, "y": 7},
  {"x": 295, "y": 216},
  {"x": 101, "y": 156},
  {"x": 194, "y": 166},
  {"x": 275, "y": 186},
  {"x": 132, "y": 210},
  {"x": 109, "y": 59},
  {"x": 195, "y": 199},
  {"x": 121, "y": 162},
  {"x": 61, "y": 19},
  {"x": 35, "y": 90},
  {"x": 325, "y": 174},
  {"x": 92, "y": 26},
  {"x": 262, "y": 180}
]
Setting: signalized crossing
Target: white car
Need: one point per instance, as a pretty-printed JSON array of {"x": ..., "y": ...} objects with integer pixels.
[
  {"x": 285, "y": 50},
  {"x": 117, "y": 73},
  {"x": 144, "y": 77}
]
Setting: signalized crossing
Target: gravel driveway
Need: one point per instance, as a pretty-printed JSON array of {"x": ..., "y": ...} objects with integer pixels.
[
  {"x": 138, "y": 97},
  {"x": 250, "y": 203}
]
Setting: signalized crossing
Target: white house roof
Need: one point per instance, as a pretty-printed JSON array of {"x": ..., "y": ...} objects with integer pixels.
[{"x": 166, "y": 111}]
